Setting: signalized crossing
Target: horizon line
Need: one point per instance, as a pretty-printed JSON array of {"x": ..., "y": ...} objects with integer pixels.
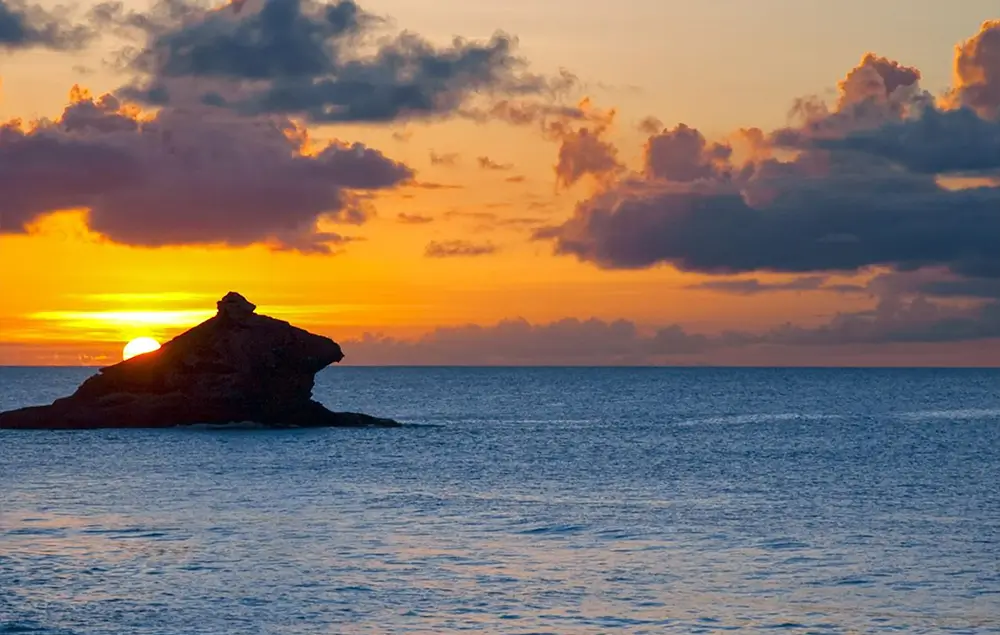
[{"x": 591, "y": 366}]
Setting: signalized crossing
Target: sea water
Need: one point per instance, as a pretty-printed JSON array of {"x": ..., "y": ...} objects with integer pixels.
[{"x": 522, "y": 501}]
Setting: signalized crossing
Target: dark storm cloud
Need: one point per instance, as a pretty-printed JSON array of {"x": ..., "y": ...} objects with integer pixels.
[
  {"x": 324, "y": 62},
  {"x": 24, "y": 25},
  {"x": 458, "y": 249},
  {"x": 187, "y": 177}
]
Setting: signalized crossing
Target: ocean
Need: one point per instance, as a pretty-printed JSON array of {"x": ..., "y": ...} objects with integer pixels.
[{"x": 522, "y": 501}]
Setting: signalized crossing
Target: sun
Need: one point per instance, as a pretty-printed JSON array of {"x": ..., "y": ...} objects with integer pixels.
[{"x": 139, "y": 346}]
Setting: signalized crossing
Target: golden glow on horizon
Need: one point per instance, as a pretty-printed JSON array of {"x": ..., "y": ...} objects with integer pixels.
[
  {"x": 69, "y": 290},
  {"x": 145, "y": 318},
  {"x": 140, "y": 346}
]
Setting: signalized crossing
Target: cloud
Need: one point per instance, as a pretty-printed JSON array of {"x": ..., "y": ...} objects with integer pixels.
[
  {"x": 574, "y": 342},
  {"x": 934, "y": 283},
  {"x": 682, "y": 154},
  {"x": 458, "y": 249},
  {"x": 897, "y": 320},
  {"x": 753, "y": 286},
  {"x": 852, "y": 186},
  {"x": 191, "y": 176},
  {"x": 938, "y": 142},
  {"x": 650, "y": 126},
  {"x": 788, "y": 219},
  {"x": 583, "y": 150},
  {"x": 520, "y": 178},
  {"x": 430, "y": 185},
  {"x": 487, "y": 163},
  {"x": 489, "y": 221},
  {"x": 520, "y": 222},
  {"x": 24, "y": 26},
  {"x": 518, "y": 342},
  {"x": 413, "y": 219},
  {"x": 977, "y": 71},
  {"x": 876, "y": 79},
  {"x": 876, "y": 92},
  {"x": 482, "y": 216},
  {"x": 541, "y": 112},
  {"x": 450, "y": 159},
  {"x": 321, "y": 62}
]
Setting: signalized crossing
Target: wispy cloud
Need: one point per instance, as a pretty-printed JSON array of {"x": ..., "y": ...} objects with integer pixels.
[
  {"x": 458, "y": 249},
  {"x": 487, "y": 163},
  {"x": 414, "y": 219}
]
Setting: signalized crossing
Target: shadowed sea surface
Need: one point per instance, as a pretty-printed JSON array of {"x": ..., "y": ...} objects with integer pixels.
[{"x": 522, "y": 501}]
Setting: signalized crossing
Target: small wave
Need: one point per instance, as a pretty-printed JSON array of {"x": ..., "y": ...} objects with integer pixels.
[
  {"x": 852, "y": 582},
  {"x": 250, "y": 425},
  {"x": 20, "y": 627},
  {"x": 552, "y": 529},
  {"x": 961, "y": 414},
  {"x": 35, "y": 531},
  {"x": 756, "y": 418},
  {"x": 781, "y": 544},
  {"x": 242, "y": 425},
  {"x": 467, "y": 421}
]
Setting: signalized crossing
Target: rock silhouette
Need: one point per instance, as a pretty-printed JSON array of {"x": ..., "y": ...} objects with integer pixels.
[{"x": 235, "y": 367}]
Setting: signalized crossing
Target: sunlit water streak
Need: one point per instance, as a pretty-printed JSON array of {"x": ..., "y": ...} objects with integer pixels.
[{"x": 525, "y": 501}]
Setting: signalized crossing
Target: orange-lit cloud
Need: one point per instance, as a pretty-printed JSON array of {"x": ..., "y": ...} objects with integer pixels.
[
  {"x": 977, "y": 71},
  {"x": 187, "y": 176},
  {"x": 583, "y": 149},
  {"x": 858, "y": 189},
  {"x": 868, "y": 220}
]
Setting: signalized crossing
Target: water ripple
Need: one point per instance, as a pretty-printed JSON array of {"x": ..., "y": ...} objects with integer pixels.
[{"x": 572, "y": 501}]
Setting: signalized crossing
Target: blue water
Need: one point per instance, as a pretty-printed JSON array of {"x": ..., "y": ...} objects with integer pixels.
[{"x": 525, "y": 501}]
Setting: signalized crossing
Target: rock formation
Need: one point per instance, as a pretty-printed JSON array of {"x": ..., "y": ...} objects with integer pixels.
[{"x": 235, "y": 367}]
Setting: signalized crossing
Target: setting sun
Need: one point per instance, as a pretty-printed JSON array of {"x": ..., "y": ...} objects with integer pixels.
[{"x": 139, "y": 346}]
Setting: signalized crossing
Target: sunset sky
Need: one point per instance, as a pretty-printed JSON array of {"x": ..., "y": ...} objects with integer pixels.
[{"x": 638, "y": 182}]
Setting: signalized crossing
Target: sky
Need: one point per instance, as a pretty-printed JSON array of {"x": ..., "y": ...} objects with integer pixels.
[{"x": 666, "y": 182}]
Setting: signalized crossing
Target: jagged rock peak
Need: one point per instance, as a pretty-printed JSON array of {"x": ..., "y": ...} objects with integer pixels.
[{"x": 235, "y": 306}]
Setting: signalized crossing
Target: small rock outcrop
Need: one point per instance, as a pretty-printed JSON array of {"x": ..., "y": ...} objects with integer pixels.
[{"x": 235, "y": 367}]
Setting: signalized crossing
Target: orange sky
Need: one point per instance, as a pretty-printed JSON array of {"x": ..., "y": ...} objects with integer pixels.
[{"x": 72, "y": 295}]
